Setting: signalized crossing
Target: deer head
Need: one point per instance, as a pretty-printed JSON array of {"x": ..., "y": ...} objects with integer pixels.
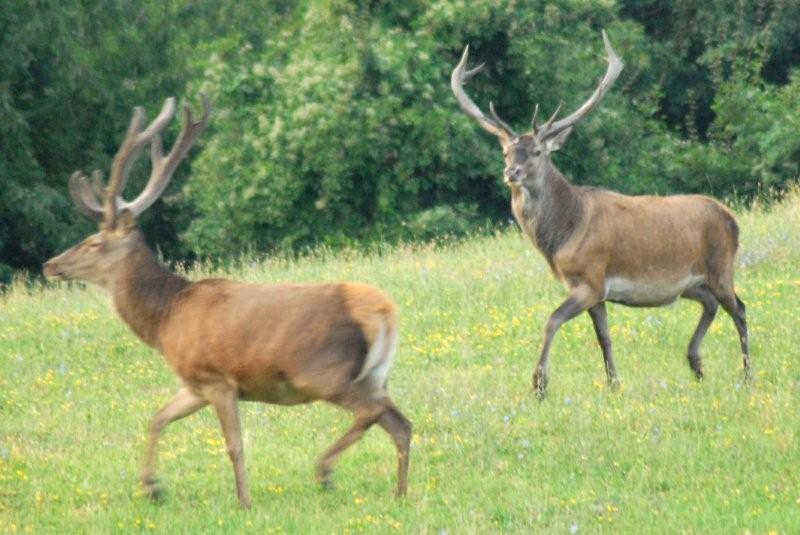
[
  {"x": 95, "y": 258},
  {"x": 527, "y": 156}
]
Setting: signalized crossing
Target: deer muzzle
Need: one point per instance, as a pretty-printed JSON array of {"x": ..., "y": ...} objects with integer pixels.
[
  {"x": 52, "y": 270},
  {"x": 513, "y": 174}
]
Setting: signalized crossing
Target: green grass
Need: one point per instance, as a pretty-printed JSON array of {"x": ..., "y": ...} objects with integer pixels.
[{"x": 665, "y": 454}]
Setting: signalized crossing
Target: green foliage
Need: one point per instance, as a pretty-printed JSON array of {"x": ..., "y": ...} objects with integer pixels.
[
  {"x": 756, "y": 131},
  {"x": 337, "y": 127},
  {"x": 27, "y": 203},
  {"x": 727, "y": 86}
]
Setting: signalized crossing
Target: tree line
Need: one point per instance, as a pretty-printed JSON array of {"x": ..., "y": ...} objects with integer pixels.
[{"x": 334, "y": 123}]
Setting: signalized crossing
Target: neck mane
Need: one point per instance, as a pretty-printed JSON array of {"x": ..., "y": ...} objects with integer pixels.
[
  {"x": 551, "y": 212},
  {"x": 143, "y": 291}
]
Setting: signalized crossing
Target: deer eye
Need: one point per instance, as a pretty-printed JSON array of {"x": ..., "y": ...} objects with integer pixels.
[{"x": 93, "y": 246}]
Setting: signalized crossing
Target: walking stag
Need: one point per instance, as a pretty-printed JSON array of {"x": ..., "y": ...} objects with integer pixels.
[
  {"x": 229, "y": 341},
  {"x": 640, "y": 251}
]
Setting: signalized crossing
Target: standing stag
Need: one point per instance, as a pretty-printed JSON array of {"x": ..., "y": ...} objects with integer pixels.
[
  {"x": 641, "y": 251},
  {"x": 284, "y": 344}
]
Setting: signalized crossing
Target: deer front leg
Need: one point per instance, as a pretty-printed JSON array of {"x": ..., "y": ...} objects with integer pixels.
[
  {"x": 226, "y": 406},
  {"x": 183, "y": 404},
  {"x": 600, "y": 322},
  {"x": 580, "y": 299}
]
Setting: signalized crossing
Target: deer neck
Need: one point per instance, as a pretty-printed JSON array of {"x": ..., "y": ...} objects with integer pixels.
[
  {"x": 143, "y": 291},
  {"x": 549, "y": 210}
]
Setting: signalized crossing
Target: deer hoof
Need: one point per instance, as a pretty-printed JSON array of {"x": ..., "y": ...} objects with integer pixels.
[
  {"x": 540, "y": 384},
  {"x": 748, "y": 377},
  {"x": 324, "y": 477},
  {"x": 696, "y": 365},
  {"x": 614, "y": 384},
  {"x": 152, "y": 490}
]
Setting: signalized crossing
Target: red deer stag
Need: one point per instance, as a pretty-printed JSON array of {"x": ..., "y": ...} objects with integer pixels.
[
  {"x": 638, "y": 251},
  {"x": 284, "y": 344}
]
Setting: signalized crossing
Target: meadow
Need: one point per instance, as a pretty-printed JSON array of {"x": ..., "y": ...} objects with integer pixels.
[{"x": 664, "y": 454}]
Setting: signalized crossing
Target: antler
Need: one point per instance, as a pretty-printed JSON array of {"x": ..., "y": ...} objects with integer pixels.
[
  {"x": 614, "y": 68},
  {"x": 86, "y": 197},
  {"x": 459, "y": 77},
  {"x": 164, "y": 167}
]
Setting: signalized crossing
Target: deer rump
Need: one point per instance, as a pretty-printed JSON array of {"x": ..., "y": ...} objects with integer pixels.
[{"x": 283, "y": 344}]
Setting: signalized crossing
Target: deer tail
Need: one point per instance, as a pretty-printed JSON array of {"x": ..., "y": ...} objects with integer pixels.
[{"x": 380, "y": 355}]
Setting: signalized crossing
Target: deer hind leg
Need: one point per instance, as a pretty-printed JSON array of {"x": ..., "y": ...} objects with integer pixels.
[
  {"x": 367, "y": 412},
  {"x": 399, "y": 428},
  {"x": 581, "y": 298},
  {"x": 735, "y": 308},
  {"x": 370, "y": 408},
  {"x": 741, "y": 327},
  {"x": 710, "y": 304},
  {"x": 183, "y": 404},
  {"x": 225, "y": 403}
]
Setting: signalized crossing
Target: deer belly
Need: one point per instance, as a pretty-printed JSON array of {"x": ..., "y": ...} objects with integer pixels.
[
  {"x": 277, "y": 392},
  {"x": 642, "y": 292}
]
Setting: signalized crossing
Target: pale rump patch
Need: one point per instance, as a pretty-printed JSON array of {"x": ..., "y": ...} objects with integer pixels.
[
  {"x": 648, "y": 292},
  {"x": 380, "y": 356}
]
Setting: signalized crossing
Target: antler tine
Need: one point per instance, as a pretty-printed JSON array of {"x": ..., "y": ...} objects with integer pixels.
[
  {"x": 457, "y": 79},
  {"x": 499, "y": 121},
  {"x": 549, "y": 122},
  {"x": 533, "y": 121},
  {"x": 120, "y": 165},
  {"x": 97, "y": 183},
  {"x": 615, "y": 66},
  {"x": 472, "y": 72},
  {"x": 163, "y": 167},
  {"x": 161, "y": 121},
  {"x": 84, "y": 197}
]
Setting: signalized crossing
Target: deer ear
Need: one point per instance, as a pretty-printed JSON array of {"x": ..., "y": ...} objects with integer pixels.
[{"x": 554, "y": 143}]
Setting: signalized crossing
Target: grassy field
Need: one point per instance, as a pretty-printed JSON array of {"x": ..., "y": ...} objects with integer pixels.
[{"x": 664, "y": 454}]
